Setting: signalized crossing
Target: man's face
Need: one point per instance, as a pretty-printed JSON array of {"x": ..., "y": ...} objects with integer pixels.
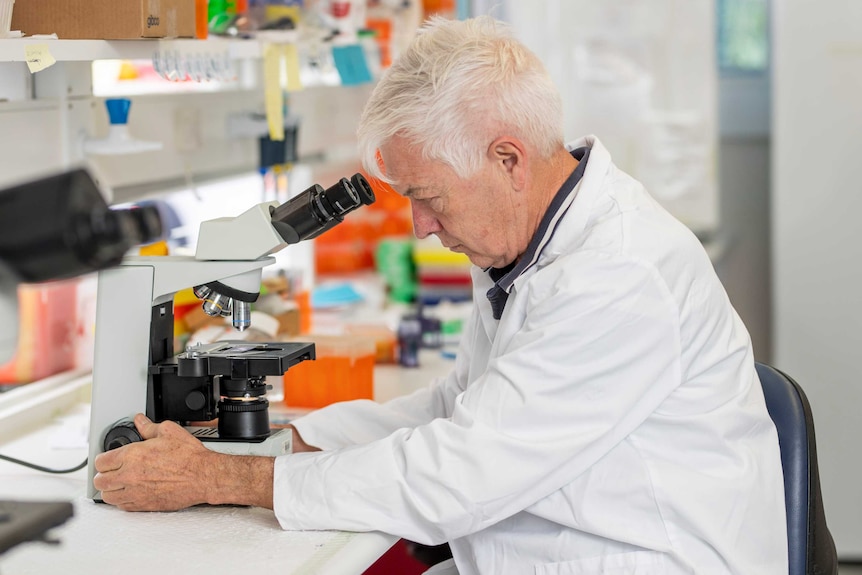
[{"x": 473, "y": 216}]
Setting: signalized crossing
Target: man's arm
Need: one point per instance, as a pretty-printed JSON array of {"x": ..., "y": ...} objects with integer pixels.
[{"x": 172, "y": 470}]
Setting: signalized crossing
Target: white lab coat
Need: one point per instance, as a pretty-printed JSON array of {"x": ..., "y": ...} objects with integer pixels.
[{"x": 610, "y": 422}]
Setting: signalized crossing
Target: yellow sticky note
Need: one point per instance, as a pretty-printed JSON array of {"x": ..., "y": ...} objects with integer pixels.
[
  {"x": 38, "y": 57},
  {"x": 273, "y": 96},
  {"x": 291, "y": 61}
]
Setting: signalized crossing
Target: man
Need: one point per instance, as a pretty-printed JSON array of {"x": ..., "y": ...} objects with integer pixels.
[{"x": 603, "y": 415}]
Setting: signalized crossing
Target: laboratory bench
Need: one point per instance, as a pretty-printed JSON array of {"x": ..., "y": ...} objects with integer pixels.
[{"x": 48, "y": 425}]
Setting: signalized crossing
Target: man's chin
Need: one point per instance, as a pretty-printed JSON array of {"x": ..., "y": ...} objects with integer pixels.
[
  {"x": 476, "y": 260},
  {"x": 479, "y": 261}
]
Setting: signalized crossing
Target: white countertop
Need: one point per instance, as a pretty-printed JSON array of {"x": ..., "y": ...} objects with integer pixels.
[
  {"x": 103, "y": 539},
  {"x": 391, "y": 381}
]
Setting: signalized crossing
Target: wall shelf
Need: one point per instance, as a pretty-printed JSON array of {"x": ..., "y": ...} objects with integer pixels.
[{"x": 14, "y": 49}]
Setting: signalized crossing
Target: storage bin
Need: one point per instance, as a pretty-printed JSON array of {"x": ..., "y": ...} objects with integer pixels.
[
  {"x": 343, "y": 370},
  {"x": 47, "y": 332}
]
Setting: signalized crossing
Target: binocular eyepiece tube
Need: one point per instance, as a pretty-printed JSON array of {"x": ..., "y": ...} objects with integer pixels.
[
  {"x": 317, "y": 210},
  {"x": 303, "y": 217}
]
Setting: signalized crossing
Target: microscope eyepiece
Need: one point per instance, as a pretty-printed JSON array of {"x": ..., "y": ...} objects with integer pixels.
[
  {"x": 363, "y": 188},
  {"x": 340, "y": 198},
  {"x": 317, "y": 210}
]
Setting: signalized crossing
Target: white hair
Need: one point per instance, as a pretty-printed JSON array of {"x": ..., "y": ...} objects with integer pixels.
[{"x": 458, "y": 86}]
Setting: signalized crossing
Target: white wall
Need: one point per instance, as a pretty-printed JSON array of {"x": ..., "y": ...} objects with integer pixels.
[
  {"x": 817, "y": 250},
  {"x": 744, "y": 101},
  {"x": 642, "y": 77}
]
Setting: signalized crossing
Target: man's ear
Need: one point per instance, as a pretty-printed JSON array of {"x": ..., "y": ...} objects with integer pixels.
[{"x": 509, "y": 154}]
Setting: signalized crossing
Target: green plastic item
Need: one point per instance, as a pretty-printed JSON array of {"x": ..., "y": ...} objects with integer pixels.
[{"x": 394, "y": 262}]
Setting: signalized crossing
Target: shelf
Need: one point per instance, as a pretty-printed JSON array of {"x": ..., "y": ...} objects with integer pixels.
[
  {"x": 14, "y": 49},
  {"x": 30, "y": 405}
]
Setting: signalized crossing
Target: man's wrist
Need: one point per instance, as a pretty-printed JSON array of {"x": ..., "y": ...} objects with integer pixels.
[{"x": 239, "y": 480}]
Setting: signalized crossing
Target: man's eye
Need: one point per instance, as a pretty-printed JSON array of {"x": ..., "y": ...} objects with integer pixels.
[{"x": 433, "y": 203}]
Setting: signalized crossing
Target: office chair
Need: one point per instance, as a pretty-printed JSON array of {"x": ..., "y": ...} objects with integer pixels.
[{"x": 811, "y": 550}]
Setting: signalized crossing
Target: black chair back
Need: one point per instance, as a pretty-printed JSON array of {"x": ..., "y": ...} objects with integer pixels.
[{"x": 811, "y": 550}]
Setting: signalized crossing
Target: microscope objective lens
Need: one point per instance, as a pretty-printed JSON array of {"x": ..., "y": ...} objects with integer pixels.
[
  {"x": 217, "y": 304},
  {"x": 201, "y": 292},
  {"x": 241, "y": 315},
  {"x": 227, "y": 308}
]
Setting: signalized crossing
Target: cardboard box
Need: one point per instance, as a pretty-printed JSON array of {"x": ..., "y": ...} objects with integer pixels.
[{"x": 106, "y": 19}]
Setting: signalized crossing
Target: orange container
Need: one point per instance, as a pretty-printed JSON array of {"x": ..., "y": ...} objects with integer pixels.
[
  {"x": 47, "y": 322},
  {"x": 201, "y": 19},
  {"x": 343, "y": 370},
  {"x": 385, "y": 340},
  {"x": 383, "y": 31},
  {"x": 303, "y": 302}
]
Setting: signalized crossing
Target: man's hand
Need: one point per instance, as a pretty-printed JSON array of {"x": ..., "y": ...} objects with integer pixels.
[{"x": 172, "y": 470}]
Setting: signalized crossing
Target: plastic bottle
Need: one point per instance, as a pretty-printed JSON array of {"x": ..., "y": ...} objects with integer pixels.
[{"x": 409, "y": 341}]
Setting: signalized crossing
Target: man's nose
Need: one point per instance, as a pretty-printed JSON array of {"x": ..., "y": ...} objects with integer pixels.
[{"x": 424, "y": 222}]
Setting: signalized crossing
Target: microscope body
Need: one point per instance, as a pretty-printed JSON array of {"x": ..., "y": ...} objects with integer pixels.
[{"x": 135, "y": 369}]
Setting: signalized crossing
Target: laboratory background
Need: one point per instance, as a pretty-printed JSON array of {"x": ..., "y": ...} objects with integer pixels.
[{"x": 741, "y": 117}]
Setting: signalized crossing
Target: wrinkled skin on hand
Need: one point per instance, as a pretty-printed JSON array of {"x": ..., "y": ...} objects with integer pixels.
[{"x": 172, "y": 470}]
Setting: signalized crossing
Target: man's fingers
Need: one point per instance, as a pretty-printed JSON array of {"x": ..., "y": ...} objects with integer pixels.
[
  {"x": 146, "y": 427},
  {"x": 107, "y": 482},
  {"x": 107, "y": 461},
  {"x": 116, "y": 497}
]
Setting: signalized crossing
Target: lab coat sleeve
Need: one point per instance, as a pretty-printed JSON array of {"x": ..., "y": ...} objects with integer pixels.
[
  {"x": 597, "y": 351},
  {"x": 362, "y": 421}
]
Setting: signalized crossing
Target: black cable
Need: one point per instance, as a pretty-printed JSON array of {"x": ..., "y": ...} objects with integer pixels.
[{"x": 39, "y": 467}]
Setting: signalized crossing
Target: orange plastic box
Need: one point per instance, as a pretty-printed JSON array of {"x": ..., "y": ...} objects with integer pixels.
[
  {"x": 343, "y": 370},
  {"x": 47, "y": 323},
  {"x": 385, "y": 340}
]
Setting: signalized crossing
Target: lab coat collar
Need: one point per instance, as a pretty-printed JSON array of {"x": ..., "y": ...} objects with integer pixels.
[
  {"x": 582, "y": 198},
  {"x": 579, "y": 209},
  {"x": 505, "y": 278},
  {"x": 587, "y": 190}
]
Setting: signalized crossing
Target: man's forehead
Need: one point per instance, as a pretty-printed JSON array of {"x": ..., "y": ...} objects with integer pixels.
[{"x": 405, "y": 171}]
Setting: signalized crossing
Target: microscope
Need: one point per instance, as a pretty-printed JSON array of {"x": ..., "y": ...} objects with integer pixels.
[{"x": 135, "y": 369}]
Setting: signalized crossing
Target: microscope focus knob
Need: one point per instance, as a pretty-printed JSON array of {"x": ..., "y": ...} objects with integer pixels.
[{"x": 121, "y": 433}]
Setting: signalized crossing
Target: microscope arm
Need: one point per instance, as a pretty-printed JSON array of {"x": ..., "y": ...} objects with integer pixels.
[
  {"x": 248, "y": 236},
  {"x": 268, "y": 227}
]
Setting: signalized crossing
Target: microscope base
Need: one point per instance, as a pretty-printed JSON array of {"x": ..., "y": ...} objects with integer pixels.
[{"x": 280, "y": 442}]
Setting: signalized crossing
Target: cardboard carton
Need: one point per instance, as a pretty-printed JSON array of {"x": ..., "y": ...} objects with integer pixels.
[{"x": 106, "y": 19}]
